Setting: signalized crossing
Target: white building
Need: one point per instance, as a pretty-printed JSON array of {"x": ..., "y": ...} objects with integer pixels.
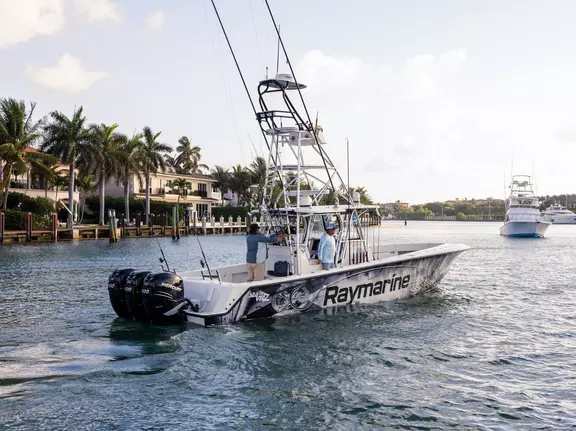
[{"x": 200, "y": 192}]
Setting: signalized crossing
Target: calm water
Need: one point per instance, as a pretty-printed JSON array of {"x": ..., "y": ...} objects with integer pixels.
[{"x": 493, "y": 348}]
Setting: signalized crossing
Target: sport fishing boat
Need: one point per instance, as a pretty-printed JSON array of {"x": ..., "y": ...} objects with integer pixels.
[
  {"x": 304, "y": 193},
  {"x": 557, "y": 214},
  {"x": 523, "y": 218}
]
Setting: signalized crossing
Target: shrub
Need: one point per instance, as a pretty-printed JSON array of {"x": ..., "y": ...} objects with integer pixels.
[
  {"x": 16, "y": 220},
  {"x": 39, "y": 205}
]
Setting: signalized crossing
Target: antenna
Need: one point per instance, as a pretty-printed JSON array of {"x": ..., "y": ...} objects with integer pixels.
[
  {"x": 278, "y": 51},
  {"x": 163, "y": 258}
]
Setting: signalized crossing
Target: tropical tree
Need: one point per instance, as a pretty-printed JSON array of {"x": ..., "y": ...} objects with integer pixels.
[
  {"x": 180, "y": 185},
  {"x": 69, "y": 139},
  {"x": 259, "y": 172},
  {"x": 105, "y": 157},
  {"x": 172, "y": 164},
  {"x": 57, "y": 180},
  {"x": 17, "y": 131},
  {"x": 86, "y": 184},
  {"x": 130, "y": 166},
  {"x": 188, "y": 156},
  {"x": 151, "y": 159},
  {"x": 222, "y": 178},
  {"x": 240, "y": 182}
]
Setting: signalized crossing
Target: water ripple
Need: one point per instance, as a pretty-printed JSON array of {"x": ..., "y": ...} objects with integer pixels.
[{"x": 492, "y": 349}]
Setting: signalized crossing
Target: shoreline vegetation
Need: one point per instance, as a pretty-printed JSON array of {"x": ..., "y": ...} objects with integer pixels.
[{"x": 65, "y": 155}]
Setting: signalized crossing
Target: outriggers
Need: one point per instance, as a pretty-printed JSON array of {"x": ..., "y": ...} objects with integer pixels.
[
  {"x": 304, "y": 193},
  {"x": 523, "y": 217}
]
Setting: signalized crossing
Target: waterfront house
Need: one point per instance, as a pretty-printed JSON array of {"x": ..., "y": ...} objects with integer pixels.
[
  {"x": 31, "y": 184},
  {"x": 200, "y": 194}
]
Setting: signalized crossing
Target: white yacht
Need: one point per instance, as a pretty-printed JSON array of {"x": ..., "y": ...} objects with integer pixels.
[
  {"x": 303, "y": 195},
  {"x": 523, "y": 218},
  {"x": 557, "y": 214}
]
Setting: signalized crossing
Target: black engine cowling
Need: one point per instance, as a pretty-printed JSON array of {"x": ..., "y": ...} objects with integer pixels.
[
  {"x": 162, "y": 292},
  {"x": 134, "y": 284},
  {"x": 117, "y": 292}
]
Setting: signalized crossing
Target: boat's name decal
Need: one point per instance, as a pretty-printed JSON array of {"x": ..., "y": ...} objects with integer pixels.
[
  {"x": 259, "y": 296},
  {"x": 343, "y": 295}
]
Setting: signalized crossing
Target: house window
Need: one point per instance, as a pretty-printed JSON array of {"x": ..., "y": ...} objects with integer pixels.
[
  {"x": 203, "y": 190},
  {"x": 202, "y": 210},
  {"x": 215, "y": 188}
]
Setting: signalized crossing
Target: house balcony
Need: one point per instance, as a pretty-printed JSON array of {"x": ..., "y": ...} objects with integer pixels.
[{"x": 169, "y": 195}]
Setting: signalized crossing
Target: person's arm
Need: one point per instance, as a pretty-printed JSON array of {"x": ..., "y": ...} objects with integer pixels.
[
  {"x": 264, "y": 238},
  {"x": 320, "y": 248}
]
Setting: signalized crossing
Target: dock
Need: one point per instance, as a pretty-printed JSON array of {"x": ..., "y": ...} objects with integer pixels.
[{"x": 203, "y": 226}]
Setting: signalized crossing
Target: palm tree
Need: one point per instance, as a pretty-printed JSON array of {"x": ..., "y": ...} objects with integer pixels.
[
  {"x": 179, "y": 184},
  {"x": 188, "y": 156},
  {"x": 68, "y": 139},
  {"x": 172, "y": 164},
  {"x": 17, "y": 131},
  {"x": 106, "y": 157},
  {"x": 57, "y": 180},
  {"x": 130, "y": 166},
  {"x": 150, "y": 157},
  {"x": 222, "y": 178},
  {"x": 240, "y": 182},
  {"x": 259, "y": 173},
  {"x": 85, "y": 183}
]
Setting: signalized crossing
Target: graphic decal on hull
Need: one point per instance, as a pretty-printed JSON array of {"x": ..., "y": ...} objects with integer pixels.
[{"x": 344, "y": 295}]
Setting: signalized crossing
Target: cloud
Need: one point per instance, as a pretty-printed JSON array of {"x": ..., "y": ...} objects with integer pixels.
[
  {"x": 99, "y": 10},
  {"x": 157, "y": 20},
  {"x": 68, "y": 75},
  {"x": 22, "y": 20},
  {"x": 404, "y": 120}
]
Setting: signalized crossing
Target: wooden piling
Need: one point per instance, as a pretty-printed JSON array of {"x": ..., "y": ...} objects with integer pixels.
[
  {"x": 1, "y": 228},
  {"x": 54, "y": 226},
  {"x": 28, "y": 227}
]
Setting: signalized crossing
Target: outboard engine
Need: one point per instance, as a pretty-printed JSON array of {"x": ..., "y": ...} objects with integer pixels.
[
  {"x": 163, "y": 292},
  {"x": 116, "y": 284},
  {"x": 134, "y": 284}
]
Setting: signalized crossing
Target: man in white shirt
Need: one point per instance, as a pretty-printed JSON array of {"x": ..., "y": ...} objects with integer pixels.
[{"x": 327, "y": 248}]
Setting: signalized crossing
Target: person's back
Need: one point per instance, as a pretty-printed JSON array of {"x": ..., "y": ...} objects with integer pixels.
[
  {"x": 252, "y": 241},
  {"x": 255, "y": 268},
  {"x": 327, "y": 249}
]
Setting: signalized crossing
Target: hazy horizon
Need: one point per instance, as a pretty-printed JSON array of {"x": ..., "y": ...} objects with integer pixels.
[{"x": 436, "y": 99}]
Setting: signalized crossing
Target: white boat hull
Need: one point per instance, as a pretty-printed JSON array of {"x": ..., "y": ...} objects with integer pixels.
[
  {"x": 387, "y": 279},
  {"x": 525, "y": 229},
  {"x": 561, "y": 219}
]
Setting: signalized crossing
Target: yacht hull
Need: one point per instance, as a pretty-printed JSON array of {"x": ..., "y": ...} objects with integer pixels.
[
  {"x": 389, "y": 279},
  {"x": 561, "y": 220},
  {"x": 524, "y": 229}
]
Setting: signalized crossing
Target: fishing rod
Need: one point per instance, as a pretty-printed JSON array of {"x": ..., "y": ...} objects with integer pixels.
[
  {"x": 163, "y": 258},
  {"x": 204, "y": 261}
]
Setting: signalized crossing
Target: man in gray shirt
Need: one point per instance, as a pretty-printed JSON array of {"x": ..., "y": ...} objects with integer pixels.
[{"x": 254, "y": 237}]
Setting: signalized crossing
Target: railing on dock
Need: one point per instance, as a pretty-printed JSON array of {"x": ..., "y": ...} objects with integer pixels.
[{"x": 203, "y": 226}]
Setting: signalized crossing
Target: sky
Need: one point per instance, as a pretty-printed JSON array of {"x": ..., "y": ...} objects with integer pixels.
[{"x": 439, "y": 100}]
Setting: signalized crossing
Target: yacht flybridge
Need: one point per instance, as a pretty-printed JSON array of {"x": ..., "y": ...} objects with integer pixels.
[
  {"x": 303, "y": 195},
  {"x": 523, "y": 218}
]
